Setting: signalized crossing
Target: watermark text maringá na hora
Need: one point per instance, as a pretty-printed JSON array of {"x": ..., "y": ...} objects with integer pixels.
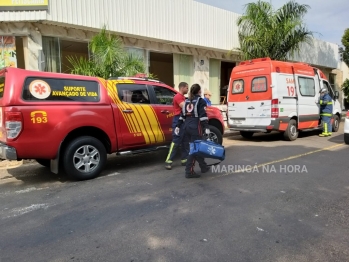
[{"x": 259, "y": 169}]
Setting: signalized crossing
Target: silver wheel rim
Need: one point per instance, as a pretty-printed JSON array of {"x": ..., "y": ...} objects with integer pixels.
[
  {"x": 293, "y": 131},
  {"x": 86, "y": 158},
  {"x": 336, "y": 123},
  {"x": 211, "y": 137}
]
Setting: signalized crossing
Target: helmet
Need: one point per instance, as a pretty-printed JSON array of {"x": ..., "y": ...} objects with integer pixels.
[{"x": 323, "y": 90}]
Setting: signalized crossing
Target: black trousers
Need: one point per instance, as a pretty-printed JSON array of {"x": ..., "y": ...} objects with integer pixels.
[{"x": 192, "y": 133}]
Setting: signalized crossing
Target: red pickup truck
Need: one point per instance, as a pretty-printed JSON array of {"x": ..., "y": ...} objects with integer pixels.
[{"x": 74, "y": 121}]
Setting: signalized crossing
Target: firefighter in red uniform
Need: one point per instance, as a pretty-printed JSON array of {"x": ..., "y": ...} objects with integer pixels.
[
  {"x": 177, "y": 140},
  {"x": 193, "y": 120}
]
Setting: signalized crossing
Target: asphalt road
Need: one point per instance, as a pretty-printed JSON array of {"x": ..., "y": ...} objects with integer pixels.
[{"x": 271, "y": 200}]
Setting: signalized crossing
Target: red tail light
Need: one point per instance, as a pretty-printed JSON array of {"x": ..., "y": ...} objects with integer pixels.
[
  {"x": 275, "y": 108},
  {"x": 347, "y": 115},
  {"x": 13, "y": 124}
]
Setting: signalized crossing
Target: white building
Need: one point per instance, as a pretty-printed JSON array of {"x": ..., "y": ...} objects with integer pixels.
[{"x": 180, "y": 40}]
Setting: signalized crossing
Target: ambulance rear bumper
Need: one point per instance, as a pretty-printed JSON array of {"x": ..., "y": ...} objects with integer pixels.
[{"x": 274, "y": 126}]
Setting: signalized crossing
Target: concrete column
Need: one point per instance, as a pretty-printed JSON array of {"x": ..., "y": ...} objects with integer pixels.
[{"x": 32, "y": 46}]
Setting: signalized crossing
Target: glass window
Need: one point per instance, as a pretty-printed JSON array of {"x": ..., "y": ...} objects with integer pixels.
[
  {"x": 133, "y": 93},
  {"x": 238, "y": 87},
  {"x": 306, "y": 86},
  {"x": 259, "y": 84},
  {"x": 2, "y": 86},
  {"x": 164, "y": 96},
  {"x": 57, "y": 89}
]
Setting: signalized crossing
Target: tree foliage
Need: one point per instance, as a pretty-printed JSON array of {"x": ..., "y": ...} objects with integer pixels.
[
  {"x": 345, "y": 51},
  {"x": 345, "y": 88},
  {"x": 278, "y": 34},
  {"x": 108, "y": 58}
]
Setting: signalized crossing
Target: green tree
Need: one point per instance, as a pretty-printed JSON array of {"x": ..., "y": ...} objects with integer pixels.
[
  {"x": 278, "y": 34},
  {"x": 345, "y": 51},
  {"x": 345, "y": 88},
  {"x": 108, "y": 58}
]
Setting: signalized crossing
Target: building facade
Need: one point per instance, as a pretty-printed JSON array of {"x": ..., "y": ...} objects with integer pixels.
[{"x": 180, "y": 40}]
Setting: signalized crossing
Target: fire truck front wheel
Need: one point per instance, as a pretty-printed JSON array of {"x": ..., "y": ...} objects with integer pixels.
[
  {"x": 291, "y": 132},
  {"x": 84, "y": 158}
]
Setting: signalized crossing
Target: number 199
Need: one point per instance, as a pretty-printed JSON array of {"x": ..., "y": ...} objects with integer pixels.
[{"x": 291, "y": 91}]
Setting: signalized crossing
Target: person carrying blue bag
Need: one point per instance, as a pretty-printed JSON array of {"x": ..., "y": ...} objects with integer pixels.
[{"x": 193, "y": 120}]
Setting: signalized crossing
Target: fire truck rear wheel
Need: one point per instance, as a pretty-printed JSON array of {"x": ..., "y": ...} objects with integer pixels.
[
  {"x": 291, "y": 132},
  {"x": 84, "y": 158}
]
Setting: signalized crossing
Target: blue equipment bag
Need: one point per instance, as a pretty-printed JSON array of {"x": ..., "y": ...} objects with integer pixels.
[{"x": 207, "y": 149}]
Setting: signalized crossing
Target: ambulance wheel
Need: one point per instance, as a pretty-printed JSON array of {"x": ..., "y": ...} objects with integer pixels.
[
  {"x": 246, "y": 134},
  {"x": 336, "y": 122},
  {"x": 44, "y": 162},
  {"x": 346, "y": 139},
  {"x": 291, "y": 132},
  {"x": 84, "y": 158},
  {"x": 215, "y": 135}
]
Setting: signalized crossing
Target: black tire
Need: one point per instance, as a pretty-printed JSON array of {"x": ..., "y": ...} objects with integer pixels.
[
  {"x": 291, "y": 132},
  {"x": 336, "y": 123},
  {"x": 346, "y": 139},
  {"x": 44, "y": 162},
  {"x": 83, "y": 146},
  {"x": 246, "y": 134},
  {"x": 215, "y": 135}
]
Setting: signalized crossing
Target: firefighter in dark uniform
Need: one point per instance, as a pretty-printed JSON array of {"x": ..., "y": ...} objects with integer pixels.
[
  {"x": 325, "y": 112},
  {"x": 193, "y": 120}
]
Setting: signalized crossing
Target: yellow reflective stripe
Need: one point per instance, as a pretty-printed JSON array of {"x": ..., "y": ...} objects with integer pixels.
[
  {"x": 143, "y": 119},
  {"x": 325, "y": 114},
  {"x": 115, "y": 97},
  {"x": 169, "y": 152},
  {"x": 329, "y": 103}
]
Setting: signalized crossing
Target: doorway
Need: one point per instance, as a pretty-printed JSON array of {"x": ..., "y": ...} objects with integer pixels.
[
  {"x": 226, "y": 68},
  {"x": 72, "y": 49},
  {"x": 161, "y": 66}
]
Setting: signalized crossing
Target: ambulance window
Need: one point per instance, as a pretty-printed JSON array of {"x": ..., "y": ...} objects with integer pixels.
[
  {"x": 133, "y": 93},
  {"x": 306, "y": 86},
  {"x": 238, "y": 87},
  {"x": 259, "y": 84},
  {"x": 330, "y": 92},
  {"x": 2, "y": 86},
  {"x": 58, "y": 89}
]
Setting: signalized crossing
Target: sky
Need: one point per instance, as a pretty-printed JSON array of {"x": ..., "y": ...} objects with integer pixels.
[{"x": 326, "y": 18}]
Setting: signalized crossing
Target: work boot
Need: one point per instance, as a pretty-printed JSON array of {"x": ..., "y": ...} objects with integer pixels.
[
  {"x": 168, "y": 166},
  {"x": 192, "y": 175},
  {"x": 205, "y": 169},
  {"x": 323, "y": 135},
  {"x": 184, "y": 162}
]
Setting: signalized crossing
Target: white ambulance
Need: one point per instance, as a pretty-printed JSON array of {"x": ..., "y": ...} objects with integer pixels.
[{"x": 266, "y": 95}]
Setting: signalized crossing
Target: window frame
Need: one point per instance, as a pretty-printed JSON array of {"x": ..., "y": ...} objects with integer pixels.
[
  {"x": 266, "y": 84},
  {"x": 243, "y": 86},
  {"x": 58, "y": 101},
  {"x": 329, "y": 88},
  {"x": 156, "y": 100},
  {"x": 300, "y": 89},
  {"x": 133, "y": 88}
]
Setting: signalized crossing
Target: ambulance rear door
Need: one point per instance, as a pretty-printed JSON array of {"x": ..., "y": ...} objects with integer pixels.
[{"x": 250, "y": 95}]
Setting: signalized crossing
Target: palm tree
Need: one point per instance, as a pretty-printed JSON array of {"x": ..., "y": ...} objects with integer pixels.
[
  {"x": 277, "y": 34},
  {"x": 108, "y": 58}
]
